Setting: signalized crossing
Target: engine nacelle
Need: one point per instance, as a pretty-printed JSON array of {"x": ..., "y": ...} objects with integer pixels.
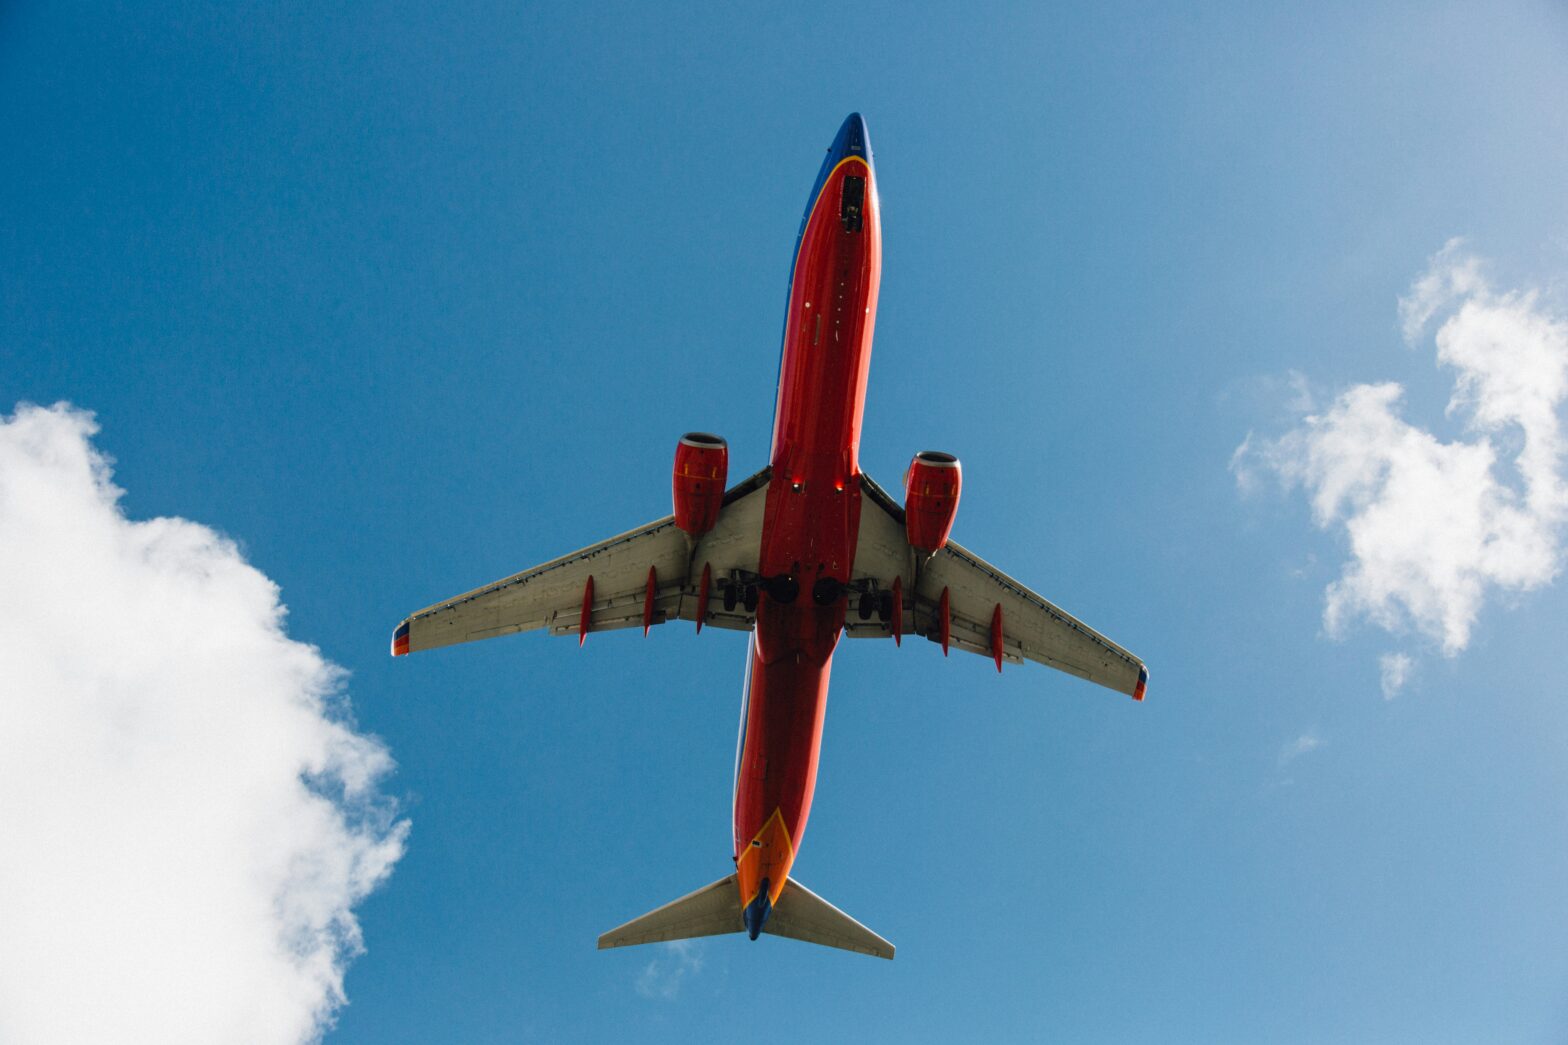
[
  {"x": 931, "y": 499},
  {"x": 702, "y": 464}
]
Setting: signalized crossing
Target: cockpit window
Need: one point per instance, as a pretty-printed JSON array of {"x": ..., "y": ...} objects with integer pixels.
[{"x": 849, "y": 213}]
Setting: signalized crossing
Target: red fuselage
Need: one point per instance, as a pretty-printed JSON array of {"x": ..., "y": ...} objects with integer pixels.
[{"x": 812, "y": 515}]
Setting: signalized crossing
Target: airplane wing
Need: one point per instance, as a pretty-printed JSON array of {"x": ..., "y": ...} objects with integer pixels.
[
  {"x": 643, "y": 577},
  {"x": 988, "y": 612}
]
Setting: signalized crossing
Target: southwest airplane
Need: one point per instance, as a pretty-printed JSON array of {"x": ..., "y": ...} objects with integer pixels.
[{"x": 804, "y": 551}]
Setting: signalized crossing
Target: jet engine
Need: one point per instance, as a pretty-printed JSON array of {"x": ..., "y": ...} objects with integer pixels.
[
  {"x": 702, "y": 463},
  {"x": 931, "y": 499}
]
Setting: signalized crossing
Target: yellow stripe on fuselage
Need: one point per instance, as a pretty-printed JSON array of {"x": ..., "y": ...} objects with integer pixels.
[{"x": 828, "y": 181}]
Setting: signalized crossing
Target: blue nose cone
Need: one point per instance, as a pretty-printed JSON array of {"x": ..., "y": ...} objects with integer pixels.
[
  {"x": 756, "y": 914},
  {"x": 852, "y": 140}
]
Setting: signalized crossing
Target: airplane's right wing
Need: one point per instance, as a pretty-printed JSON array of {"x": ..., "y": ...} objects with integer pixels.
[{"x": 644, "y": 576}]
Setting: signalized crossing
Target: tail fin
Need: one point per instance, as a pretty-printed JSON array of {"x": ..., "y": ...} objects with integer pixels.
[{"x": 715, "y": 909}]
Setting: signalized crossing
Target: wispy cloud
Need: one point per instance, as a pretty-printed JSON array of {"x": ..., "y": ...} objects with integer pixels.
[
  {"x": 1294, "y": 749},
  {"x": 1396, "y": 669},
  {"x": 1434, "y": 526},
  {"x": 671, "y": 965},
  {"x": 189, "y": 818}
]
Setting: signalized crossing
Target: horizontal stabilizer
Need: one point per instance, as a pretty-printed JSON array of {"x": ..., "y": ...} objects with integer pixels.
[
  {"x": 801, "y": 914},
  {"x": 709, "y": 911},
  {"x": 715, "y": 910}
]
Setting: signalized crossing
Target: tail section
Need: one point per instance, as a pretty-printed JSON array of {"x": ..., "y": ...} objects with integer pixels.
[{"x": 715, "y": 909}]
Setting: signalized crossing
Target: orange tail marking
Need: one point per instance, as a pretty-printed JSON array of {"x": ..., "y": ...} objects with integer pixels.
[{"x": 770, "y": 854}]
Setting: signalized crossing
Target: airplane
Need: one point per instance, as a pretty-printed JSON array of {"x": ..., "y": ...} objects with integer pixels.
[{"x": 806, "y": 550}]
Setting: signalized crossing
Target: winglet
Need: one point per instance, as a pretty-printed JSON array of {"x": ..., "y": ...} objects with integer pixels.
[
  {"x": 1143, "y": 682},
  {"x": 400, "y": 640}
]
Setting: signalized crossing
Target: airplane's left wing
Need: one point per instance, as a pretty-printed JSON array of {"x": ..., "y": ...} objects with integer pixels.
[
  {"x": 956, "y": 598},
  {"x": 643, "y": 577}
]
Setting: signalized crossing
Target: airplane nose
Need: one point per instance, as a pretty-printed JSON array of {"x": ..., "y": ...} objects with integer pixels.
[{"x": 852, "y": 139}]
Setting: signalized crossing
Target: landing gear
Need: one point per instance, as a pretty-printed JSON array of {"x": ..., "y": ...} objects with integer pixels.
[
  {"x": 743, "y": 590},
  {"x": 871, "y": 599}
]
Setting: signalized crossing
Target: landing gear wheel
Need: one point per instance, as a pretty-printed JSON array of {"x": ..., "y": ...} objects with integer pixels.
[
  {"x": 885, "y": 607},
  {"x": 866, "y": 604},
  {"x": 731, "y": 596},
  {"x": 751, "y": 598}
]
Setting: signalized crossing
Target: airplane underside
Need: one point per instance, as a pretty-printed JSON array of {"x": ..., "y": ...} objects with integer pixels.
[{"x": 806, "y": 551}]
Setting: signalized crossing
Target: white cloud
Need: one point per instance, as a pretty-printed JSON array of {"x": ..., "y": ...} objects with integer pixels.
[
  {"x": 662, "y": 977},
  {"x": 1432, "y": 525},
  {"x": 1396, "y": 670},
  {"x": 1292, "y": 750},
  {"x": 187, "y": 818},
  {"x": 1451, "y": 275}
]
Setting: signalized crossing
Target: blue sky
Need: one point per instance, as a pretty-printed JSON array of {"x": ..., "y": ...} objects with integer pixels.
[{"x": 404, "y": 298}]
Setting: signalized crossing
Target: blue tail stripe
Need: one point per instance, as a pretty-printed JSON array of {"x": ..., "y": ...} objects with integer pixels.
[{"x": 757, "y": 911}]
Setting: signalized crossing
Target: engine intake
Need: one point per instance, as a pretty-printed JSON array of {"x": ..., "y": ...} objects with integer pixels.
[
  {"x": 931, "y": 499},
  {"x": 702, "y": 463}
]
